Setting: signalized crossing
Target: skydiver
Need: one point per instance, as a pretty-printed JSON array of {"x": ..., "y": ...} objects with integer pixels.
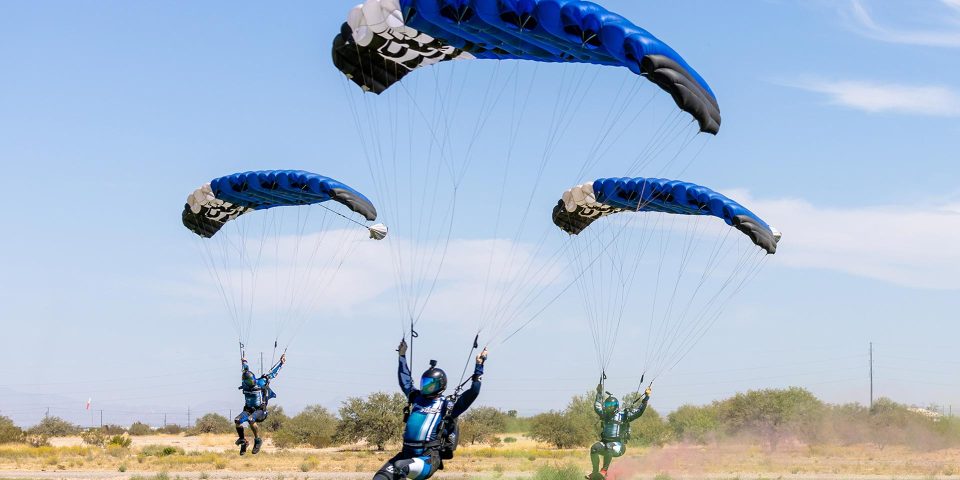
[
  {"x": 615, "y": 430},
  {"x": 429, "y": 436},
  {"x": 256, "y": 395}
]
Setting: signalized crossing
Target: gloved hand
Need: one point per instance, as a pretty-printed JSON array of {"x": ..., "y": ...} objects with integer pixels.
[
  {"x": 402, "y": 349},
  {"x": 648, "y": 391},
  {"x": 482, "y": 357},
  {"x": 283, "y": 359}
]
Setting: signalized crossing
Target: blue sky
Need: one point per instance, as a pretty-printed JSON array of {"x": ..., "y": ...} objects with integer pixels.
[{"x": 841, "y": 126}]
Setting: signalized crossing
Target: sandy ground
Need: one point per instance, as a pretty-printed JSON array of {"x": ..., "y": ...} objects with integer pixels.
[{"x": 215, "y": 457}]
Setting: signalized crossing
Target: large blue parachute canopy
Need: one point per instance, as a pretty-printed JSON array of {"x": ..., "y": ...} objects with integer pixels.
[
  {"x": 384, "y": 40},
  {"x": 584, "y": 204},
  {"x": 212, "y": 205}
]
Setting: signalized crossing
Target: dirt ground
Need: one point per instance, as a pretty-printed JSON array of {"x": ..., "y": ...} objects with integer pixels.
[{"x": 215, "y": 457}]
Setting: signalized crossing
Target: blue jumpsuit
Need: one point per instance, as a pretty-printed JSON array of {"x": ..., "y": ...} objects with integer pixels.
[
  {"x": 256, "y": 398},
  {"x": 420, "y": 457}
]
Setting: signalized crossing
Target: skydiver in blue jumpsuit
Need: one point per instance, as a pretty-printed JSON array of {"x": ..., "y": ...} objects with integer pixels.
[
  {"x": 615, "y": 430},
  {"x": 429, "y": 411},
  {"x": 256, "y": 394}
]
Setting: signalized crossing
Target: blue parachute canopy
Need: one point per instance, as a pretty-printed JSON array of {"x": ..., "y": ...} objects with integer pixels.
[
  {"x": 384, "y": 40},
  {"x": 223, "y": 199},
  {"x": 584, "y": 204}
]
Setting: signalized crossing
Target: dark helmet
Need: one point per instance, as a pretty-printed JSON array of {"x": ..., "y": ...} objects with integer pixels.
[
  {"x": 611, "y": 405},
  {"x": 249, "y": 379},
  {"x": 433, "y": 381}
]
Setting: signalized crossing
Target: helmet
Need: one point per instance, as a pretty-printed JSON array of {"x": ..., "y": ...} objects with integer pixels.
[
  {"x": 249, "y": 379},
  {"x": 433, "y": 381},
  {"x": 610, "y": 405}
]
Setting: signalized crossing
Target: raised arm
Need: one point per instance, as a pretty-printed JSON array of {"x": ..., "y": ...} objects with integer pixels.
[
  {"x": 276, "y": 368},
  {"x": 403, "y": 370},
  {"x": 466, "y": 400},
  {"x": 635, "y": 413},
  {"x": 598, "y": 401}
]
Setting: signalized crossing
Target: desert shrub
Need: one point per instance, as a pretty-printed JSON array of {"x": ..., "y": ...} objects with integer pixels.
[
  {"x": 139, "y": 429},
  {"x": 566, "y": 472},
  {"x": 171, "y": 429},
  {"x": 695, "y": 424},
  {"x": 275, "y": 419},
  {"x": 650, "y": 429},
  {"x": 94, "y": 437},
  {"x": 54, "y": 427},
  {"x": 558, "y": 429},
  {"x": 37, "y": 440},
  {"x": 773, "y": 414},
  {"x": 212, "y": 423},
  {"x": 9, "y": 432},
  {"x": 161, "y": 451},
  {"x": 377, "y": 419},
  {"x": 121, "y": 441},
  {"x": 480, "y": 425},
  {"x": 113, "y": 430},
  {"x": 314, "y": 426}
]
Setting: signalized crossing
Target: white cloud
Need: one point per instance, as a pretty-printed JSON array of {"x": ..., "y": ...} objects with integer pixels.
[
  {"x": 910, "y": 246},
  {"x": 932, "y": 100},
  {"x": 946, "y": 34}
]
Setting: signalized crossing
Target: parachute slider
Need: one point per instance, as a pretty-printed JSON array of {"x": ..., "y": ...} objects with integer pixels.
[{"x": 378, "y": 231}]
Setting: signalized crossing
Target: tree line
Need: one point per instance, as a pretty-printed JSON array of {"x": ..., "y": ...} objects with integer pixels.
[{"x": 769, "y": 417}]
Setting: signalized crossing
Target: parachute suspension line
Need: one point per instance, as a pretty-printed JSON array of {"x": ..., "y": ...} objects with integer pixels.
[
  {"x": 753, "y": 271},
  {"x": 672, "y": 326},
  {"x": 413, "y": 336},
  {"x": 560, "y": 121},
  {"x": 562, "y": 292},
  {"x": 602, "y": 146},
  {"x": 513, "y": 135},
  {"x": 378, "y": 184},
  {"x": 466, "y": 365},
  {"x": 666, "y": 330}
]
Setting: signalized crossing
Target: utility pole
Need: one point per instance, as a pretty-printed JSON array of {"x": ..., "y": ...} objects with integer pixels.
[
  {"x": 188, "y": 417},
  {"x": 871, "y": 375},
  {"x": 164, "y": 420},
  {"x": 101, "y": 418},
  {"x": 47, "y": 414}
]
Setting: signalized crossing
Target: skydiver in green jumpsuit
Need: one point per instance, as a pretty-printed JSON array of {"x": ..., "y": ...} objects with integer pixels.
[{"x": 615, "y": 430}]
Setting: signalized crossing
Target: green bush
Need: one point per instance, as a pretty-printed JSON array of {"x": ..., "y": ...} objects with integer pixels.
[
  {"x": 314, "y": 426},
  {"x": 54, "y": 427},
  {"x": 212, "y": 423},
  {"x": 121, "y": 441},
  {"x": 94, "y": 437},
  {"x": 650, "y": 430},
  {"x": 773, "y": 414},
  {"x": 113, "y": 430},
  {"x": 275, "y": 419},
  {"x": 161, "y": 451},
  {"x": 139, "y": 429},
  {"x": 566, "y": 472},
  {"x": 378, "y": 419},
  {"x": 480, "y": 425},
  {"x": 9, "y": 432},
  {"x": 171, "y": 429},
  {"x": 558, "y": 429},
  {"x": 695, "y": 424}
]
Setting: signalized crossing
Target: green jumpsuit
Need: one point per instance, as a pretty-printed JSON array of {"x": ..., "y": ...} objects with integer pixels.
[{"x": 613, "y": 427}]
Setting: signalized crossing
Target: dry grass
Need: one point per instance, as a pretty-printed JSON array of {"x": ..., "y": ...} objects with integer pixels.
[{"x": 217, "y": 454}]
